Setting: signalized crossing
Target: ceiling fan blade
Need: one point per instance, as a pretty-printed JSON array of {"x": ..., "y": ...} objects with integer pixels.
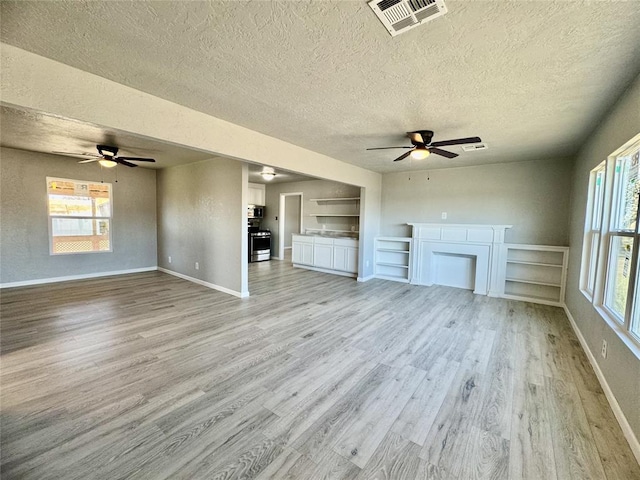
[
  {"x": 124, "y": 162},
  {"x": 137, "y": 159},
  {"x": 90, "y": 160},
  {"x": 457, "y": 141},
  {"x": 385, "y": 148},
  {"x": 76, "y": 154},
  {"x": 444, "y": 153},
  {"x": 403, "y": 156}
]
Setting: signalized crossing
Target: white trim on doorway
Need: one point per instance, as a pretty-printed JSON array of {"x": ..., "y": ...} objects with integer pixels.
[{"x": 281, "y": 217}]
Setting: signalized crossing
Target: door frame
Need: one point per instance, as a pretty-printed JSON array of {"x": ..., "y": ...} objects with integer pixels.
[{"x": 281, "y": 220}]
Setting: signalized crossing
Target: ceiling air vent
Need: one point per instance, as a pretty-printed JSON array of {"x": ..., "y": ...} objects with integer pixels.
[
  {"x": 398, "y": 16},
  {"x": 475, "y": 146}
]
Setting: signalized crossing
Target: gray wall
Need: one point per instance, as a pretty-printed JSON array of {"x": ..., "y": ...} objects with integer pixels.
[
  {"x": 291, "y": 219},
  {"x": 531, "y": 196},
  {"x": 621, "y": 368},
  {"x": 24, "y": 230},
  {"x": 201, "y": 218},
  {"x": 309, "y": 189}
]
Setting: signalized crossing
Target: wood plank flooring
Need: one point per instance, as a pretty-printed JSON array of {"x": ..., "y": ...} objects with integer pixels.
[{"x": 314, "y": 376}]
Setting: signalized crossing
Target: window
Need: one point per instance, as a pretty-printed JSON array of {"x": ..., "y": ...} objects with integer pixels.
[
  {"x": 610, "y": 275},
  {"x": 79, "y": 216},
  {"x": 594, "y": 223}
]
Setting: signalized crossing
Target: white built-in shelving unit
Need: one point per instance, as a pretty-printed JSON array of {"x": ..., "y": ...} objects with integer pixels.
[
  {"x": 535, "y": 273},
  {"x": 393, "y": 258},
  {"x": 350, "y": 208}
]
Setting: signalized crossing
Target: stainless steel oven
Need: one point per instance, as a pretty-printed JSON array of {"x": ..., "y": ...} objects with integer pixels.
[{"x": 259, "y": 246}]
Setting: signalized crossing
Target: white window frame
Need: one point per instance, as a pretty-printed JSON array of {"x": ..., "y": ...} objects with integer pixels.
[
  {"x": 94, "y": 218},
  {"x": 593, "y": 227},
  {"x": 606, "y": 229}
]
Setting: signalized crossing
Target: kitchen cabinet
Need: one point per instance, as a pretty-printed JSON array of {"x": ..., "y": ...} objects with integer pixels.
[
  {"x": 302, "y": 250},
  {"x": 345, "y": 258},
  {"x": 323, "y": 252},
  {"x": 326, "y": 254},
  {"x": 256, "y": 194}
]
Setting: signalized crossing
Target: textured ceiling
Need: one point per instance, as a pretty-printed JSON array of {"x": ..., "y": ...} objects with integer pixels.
[
  {"x": 530, "y": 78},
  {"x": 38, "y": 132}
]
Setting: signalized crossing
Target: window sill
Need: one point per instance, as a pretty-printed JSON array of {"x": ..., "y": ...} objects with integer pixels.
[{"x": 587, "y": 295}]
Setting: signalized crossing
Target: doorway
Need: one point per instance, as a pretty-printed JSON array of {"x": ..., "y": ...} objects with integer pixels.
[{"x": 290, "y": 216}]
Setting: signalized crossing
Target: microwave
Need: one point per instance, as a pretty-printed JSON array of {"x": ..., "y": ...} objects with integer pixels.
[{"x": 255, "y": 211}]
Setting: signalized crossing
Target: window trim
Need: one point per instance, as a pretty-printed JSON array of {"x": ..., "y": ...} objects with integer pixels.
[
  {"x": 608, "y": 231},
  {"x": 51, "y": 217}
]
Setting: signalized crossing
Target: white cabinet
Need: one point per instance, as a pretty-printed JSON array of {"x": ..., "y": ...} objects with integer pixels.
[
  {"x": 393, "y": 258},
  {"x": 256, "y": 194},
  {"x": 535, "y": 273},
  {"x": 345, "y": 258},
  {"x": 302, "y": 250},
  {"x": 323, "y": 252},
  {"x": 331, "y": 255}
]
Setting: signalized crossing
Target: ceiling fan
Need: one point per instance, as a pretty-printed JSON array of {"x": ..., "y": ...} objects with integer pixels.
[
  {"x": 106, "y": 157},
  {"x": 423, "y": 146}
]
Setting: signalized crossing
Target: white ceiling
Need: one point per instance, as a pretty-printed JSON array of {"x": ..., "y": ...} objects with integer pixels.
[
  {"x": 530, "y": 78},
  {"x": 39, "y": 132}
]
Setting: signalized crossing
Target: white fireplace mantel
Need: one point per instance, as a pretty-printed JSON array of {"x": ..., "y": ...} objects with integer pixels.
[{"x": 481, "y": 242}]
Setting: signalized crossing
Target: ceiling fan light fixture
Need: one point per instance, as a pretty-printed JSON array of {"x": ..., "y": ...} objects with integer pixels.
[
  {"x": 107, "y": 163},
  {"x": 268, "y": 173},
  {"x": 420, "y": 153}
]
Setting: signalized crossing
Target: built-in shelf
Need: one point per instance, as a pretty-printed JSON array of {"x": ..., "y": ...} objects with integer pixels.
[
  {"x": 393, "y": 250},
  {"x": 330, "y": 230},
  {"x": 535, "y": 273},
  {"x": 521, "y": 262},
  {"x": 393, "y": 258},
  {"x": 337, "y": 213},
  {"x": 333, "y": 215},
  {"x": 533, "y": 282},
  {"x": 343, "y": 199},
  {"x": 392, "y": 265}
]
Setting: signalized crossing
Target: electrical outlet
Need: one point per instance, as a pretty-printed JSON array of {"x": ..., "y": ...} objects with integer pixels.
[
  {"x": 604, "y": 349},
  {"x": 366, "y": 263},
  {"x": 444, "y": 215},
  {"x": 197, "y": 266},
  {"x": 169, "y": 258}
]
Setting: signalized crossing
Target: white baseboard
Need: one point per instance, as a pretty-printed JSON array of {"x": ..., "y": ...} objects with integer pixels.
[
  {"x": 367, "y": 278},
  {"x": 617, "y": 411},
  {"x": 68, "y": 278},
  {"x": 325, "y": 270},
  {"x": 205, "y": 284}
]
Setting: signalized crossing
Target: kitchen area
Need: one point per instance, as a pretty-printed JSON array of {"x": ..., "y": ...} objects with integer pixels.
[
  {"x": 306, "y": 222},
  {"x": 259, "y": 239}
]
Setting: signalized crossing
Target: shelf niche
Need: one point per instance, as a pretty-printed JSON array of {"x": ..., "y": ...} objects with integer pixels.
[
  {"x": 393, "y": 258},
  {"x": 535, "y": 273}
]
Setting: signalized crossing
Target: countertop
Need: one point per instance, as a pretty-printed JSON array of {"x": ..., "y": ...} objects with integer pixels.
[{"x": 353, "y": 235}]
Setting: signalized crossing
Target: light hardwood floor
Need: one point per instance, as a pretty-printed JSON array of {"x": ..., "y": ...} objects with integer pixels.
[{"x": 314, "y": 376}]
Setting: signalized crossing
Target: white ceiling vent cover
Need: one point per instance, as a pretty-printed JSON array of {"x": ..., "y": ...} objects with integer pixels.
[
  {"x": 398, "y": 16},
  {"x": 474, "y": 147}
]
